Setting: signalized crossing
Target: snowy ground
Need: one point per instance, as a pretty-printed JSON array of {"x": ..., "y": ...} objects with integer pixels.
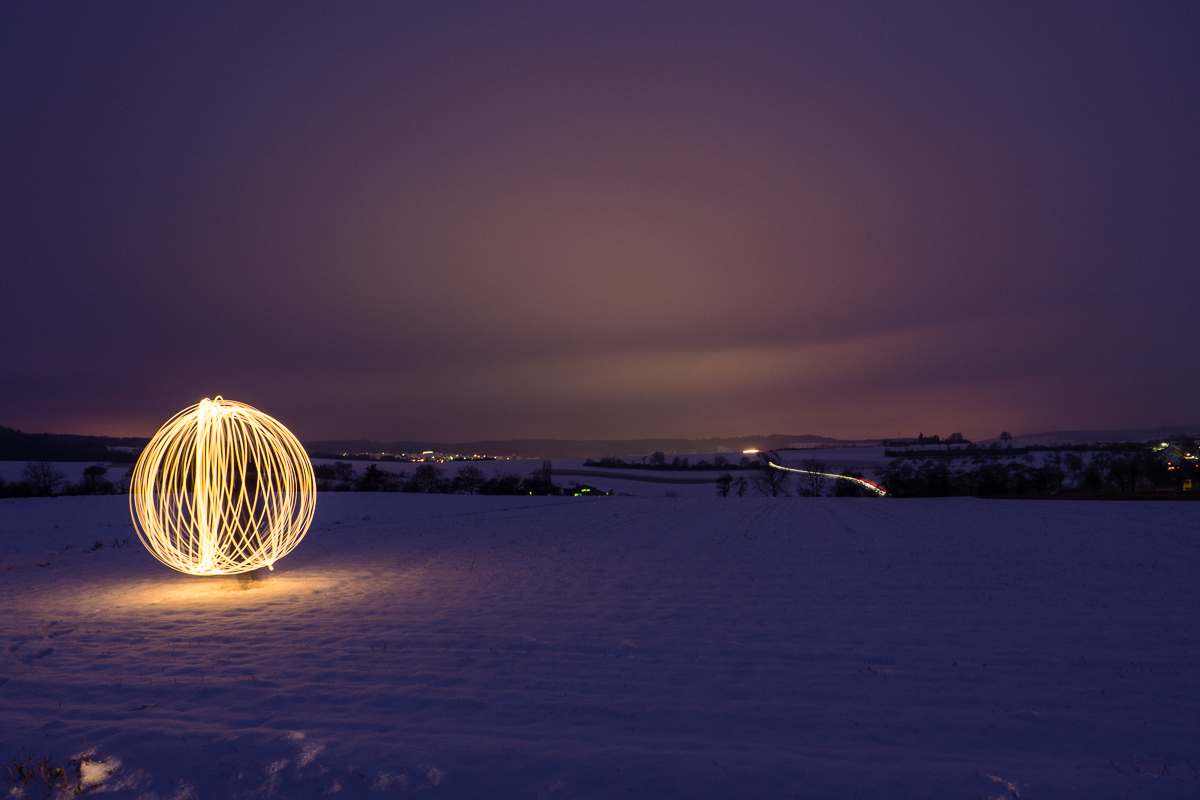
[{"x": 472, "y": 647}]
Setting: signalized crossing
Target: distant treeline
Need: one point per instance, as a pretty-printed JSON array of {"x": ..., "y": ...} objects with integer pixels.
[
  {"x": 43, "y": 479},
  {"x": 566, "y": 448},
  {"x": 18, "y": 446},
  {"x": 1060, "y": 473},
  {"x": 1162, "y": 433},
  {"x": 757, "y": 480},
  {"x": 995, "y": 450},
  {"x": 429, "y": 478},
  {"x": 659, "y": 461},
  {"x": 389, "y": 458},
  {"x": 816, "y": 481}
]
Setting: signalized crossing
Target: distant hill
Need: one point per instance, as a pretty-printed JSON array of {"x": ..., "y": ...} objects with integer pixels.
[
  {"x": 18, "y": 446},
  {"x": 1128, "y": 435},
  {"x": 568, "y": 448}
]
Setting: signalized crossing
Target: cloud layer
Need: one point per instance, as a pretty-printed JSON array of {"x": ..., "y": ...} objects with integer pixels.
[{"x": 601, "y": 222}]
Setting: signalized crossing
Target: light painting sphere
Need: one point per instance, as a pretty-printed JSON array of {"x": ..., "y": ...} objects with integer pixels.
[{"x": 222, "y": 488}]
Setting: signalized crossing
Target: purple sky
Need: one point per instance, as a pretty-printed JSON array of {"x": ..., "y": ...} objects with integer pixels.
[{"x": 443, "y": 222}]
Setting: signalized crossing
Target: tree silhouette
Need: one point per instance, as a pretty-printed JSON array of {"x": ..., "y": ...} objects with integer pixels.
[
  {"x": 813, "y": 485},
  {"x": 43, "y": 478},
  {"x": 470, "y": 479},
  {"x": 770, "y": 482},
  {"x": 427, "y": 478}
]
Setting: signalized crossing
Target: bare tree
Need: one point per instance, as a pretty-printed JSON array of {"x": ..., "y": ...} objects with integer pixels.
[
  {"x": 470, "y": 479},
  {"x": 724, "y": 483},
  {"x": 427, "y": 478},
  {"x": 813, "y": 485},
  {"x": 375, "y": 479},
  {"x": 44, "y": 478},
  {"x": 741, "y": 486},
  {"x": 122, "y": 484},
  {"x": 503, "y": 483},
  {"x": 770, "y": 482},
  {"x": 94, "y": 482}
]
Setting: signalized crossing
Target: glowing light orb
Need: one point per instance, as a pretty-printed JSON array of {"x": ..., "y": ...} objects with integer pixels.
[{"x": 222, "y": 488}]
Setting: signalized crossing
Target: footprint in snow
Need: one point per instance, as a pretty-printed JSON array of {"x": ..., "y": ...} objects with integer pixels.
[{"x": 35, "y": 655}]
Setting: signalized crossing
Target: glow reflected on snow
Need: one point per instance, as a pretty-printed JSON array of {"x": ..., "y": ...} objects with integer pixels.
[
  {"x": 238, "y": 589},
  {"x": 223, "y": 589}
]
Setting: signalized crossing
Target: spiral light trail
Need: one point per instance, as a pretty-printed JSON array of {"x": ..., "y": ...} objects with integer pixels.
[{"x": 222, "y": 488}]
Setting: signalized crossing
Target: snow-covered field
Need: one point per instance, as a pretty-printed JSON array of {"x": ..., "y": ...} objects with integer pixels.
[{"x": 497, "y": 647}]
